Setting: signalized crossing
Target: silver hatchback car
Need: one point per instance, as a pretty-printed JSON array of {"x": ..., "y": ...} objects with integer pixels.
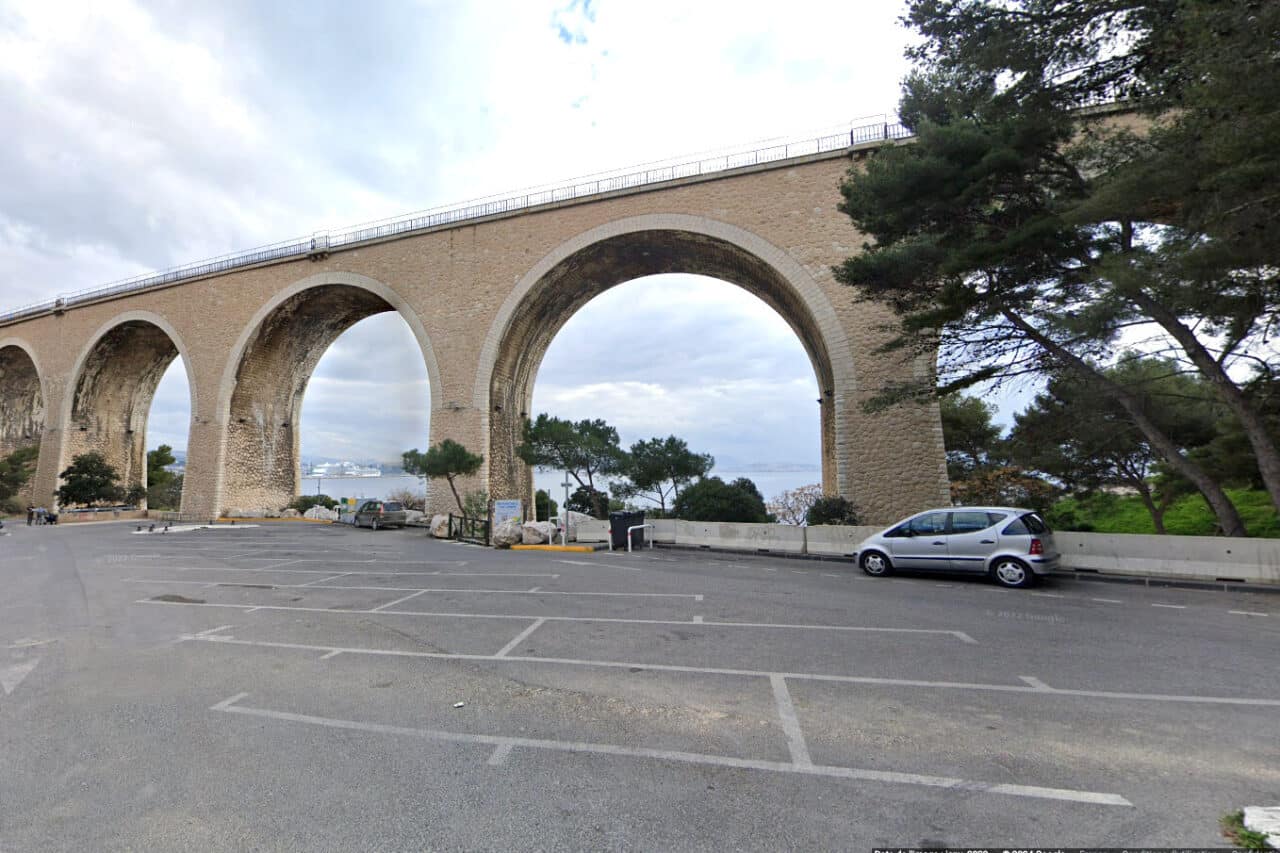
[{"x": 1014, "y": 546}]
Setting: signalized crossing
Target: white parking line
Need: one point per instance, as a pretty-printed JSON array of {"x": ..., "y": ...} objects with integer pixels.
[
  {"x": 1108, "y": 600},
  {"x": 1248, "y": 613},
  {"x": 1027, "y": 689},
  {"x": 437, "y": 573},
  {"x": 1171, "y": 606},
  {"x": 790, "y": 722},
  {"x": 389, "y": 604},
  {"x": 604, "y": 565},
  {"x": 520, "y": 638},
  {"x": 1047, "y": 595},
  {"x": 503, "y": 744},
  {"x": 316, "y": 584},
  {"x": 249, "y": 608}
]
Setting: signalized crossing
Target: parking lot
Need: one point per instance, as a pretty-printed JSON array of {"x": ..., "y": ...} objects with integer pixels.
[{"x": 293, "y": 686}]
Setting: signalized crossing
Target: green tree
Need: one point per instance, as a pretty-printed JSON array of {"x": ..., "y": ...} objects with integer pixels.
[
  {"x": 657, "y": 469},
  {"x": 971, "y": 437},
  {"x": 166, "y": 496},
  {"x": 544, "y": 505},
  {"x": 833, "y": 509},
  {"x": 1086, "y": 441},
  {"x": 586, "y": 449},
  {"x": 592, "y": 502},
  {"x": 89, "y": 480},
  {"x": 712, "y": 499},
  {"x": 16, "y": 470},
  {"x": 1032, "y": 239},
  {"x": 159, "y": 488},
  {"x": 447, "y": 460}
]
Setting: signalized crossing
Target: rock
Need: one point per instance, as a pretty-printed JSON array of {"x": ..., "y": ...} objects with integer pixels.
[
  {"x": 319, "y": 513},
  {"x": 538, "y": 532},
  {"x": 440, "y": 526},
  {"x": 271, "y": 513},
  {"x": 508, "y": 533},
  {"x": 290, "y": 513},
  {"x": 413, "y": 516},
  {"x": 246, "y": 513},
  {"x": 1264, "y": 819}
]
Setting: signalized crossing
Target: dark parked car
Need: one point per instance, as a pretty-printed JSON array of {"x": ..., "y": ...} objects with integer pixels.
[{"x": 377, "y": 514}]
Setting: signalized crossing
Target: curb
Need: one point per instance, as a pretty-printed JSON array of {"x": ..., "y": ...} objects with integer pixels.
[{"x": 1067, "y": 575}]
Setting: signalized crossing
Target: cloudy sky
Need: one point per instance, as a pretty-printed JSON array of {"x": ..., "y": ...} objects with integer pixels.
[{"x": 144, "y": 135}]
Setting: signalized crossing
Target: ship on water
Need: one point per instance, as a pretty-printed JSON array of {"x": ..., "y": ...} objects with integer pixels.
[{"x": 343, "y": 469}]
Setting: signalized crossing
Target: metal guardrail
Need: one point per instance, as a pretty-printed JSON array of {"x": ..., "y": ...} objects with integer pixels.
[{"x": 478, "y": 209}]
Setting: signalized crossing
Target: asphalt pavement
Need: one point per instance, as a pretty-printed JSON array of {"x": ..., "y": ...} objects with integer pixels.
[{"x": 310, "y": 687}]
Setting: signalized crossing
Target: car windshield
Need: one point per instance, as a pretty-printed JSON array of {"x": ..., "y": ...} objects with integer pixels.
[{"x": 392, "y": 506}]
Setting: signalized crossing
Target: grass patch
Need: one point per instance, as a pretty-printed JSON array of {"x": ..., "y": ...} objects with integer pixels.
[
  {"x": 1234, "y": 829},
  {"x": 1189, "y": 515}
]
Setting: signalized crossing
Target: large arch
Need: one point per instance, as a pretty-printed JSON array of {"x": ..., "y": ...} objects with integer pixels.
[
  {"x": 592, "y": 262},
  {"x": 22, "y": 397},
  {"x": 263, "y": 383},
  {"x": 114, "y": 381}
]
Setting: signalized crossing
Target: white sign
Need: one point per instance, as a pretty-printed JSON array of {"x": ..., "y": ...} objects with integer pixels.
[{"x": 502, "y": 510}]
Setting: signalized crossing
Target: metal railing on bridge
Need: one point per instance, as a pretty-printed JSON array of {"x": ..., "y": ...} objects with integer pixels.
[{"x": 478, "y": 209}]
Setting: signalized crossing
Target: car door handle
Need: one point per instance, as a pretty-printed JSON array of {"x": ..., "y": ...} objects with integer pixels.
[
  {"x": 987, "y": 542},
  {"x": 940, "y": 543}
]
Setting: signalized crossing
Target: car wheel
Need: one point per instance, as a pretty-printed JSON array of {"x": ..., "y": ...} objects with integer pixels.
[
  {"x": 875, "y": 564},
  {"x": 374, "y": 524},
  {"x": 1013, "y": 573}
]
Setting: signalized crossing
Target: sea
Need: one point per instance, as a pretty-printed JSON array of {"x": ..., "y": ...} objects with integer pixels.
[{"x": 770, "y": 483}]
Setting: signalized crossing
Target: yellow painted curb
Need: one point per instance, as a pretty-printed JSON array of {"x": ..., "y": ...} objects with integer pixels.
[{"x": 575, "y": 549}]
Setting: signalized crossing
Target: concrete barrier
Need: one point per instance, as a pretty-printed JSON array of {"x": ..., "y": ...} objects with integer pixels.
[
  {"x": 830, "y": 540},
  {"x": 71, "y": 516},
  {"x": 783, "y": 538},
  {"x": 1198, "y": 558},
  {"x": 1209, "y": 558}
]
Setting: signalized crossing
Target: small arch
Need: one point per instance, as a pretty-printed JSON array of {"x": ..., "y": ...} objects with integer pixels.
[
  {"x": 596, "y": 260},
  {"x": 107, "y": 404},
  {"x": 263, "y": 382},
  {"x": 22, "y": 402}
]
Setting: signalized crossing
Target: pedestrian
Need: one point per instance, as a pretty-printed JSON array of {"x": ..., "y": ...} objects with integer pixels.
[
  {"x": 31, "y": 514},
  {"x": 40, "y": 513}
]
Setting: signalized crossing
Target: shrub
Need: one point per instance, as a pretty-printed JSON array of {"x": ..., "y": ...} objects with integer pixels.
[
  {"x": 302, "y": 503},
  {"x": 833, "y": 509}
]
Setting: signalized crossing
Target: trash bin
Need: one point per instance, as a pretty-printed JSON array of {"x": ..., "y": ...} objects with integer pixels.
[{"x": 618, "y": 524}]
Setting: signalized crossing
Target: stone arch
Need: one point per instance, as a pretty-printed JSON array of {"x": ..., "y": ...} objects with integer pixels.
[
  {"x": 22, "y": 402},
  {"x": 263, "y": 383},
  {"x": 592, "y": 262},
  {"x": 106, "y": 406}
]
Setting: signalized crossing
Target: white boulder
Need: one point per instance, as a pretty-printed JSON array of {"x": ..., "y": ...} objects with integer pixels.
[
  {"x": 318, "y": 513},
  {"x": 291, "y": 513},
  {"x": 413, "y": 516},
  {"x": 507, "y": 533},
  {"x": 538, "y": 532},
  {"x": 440, "y": 526}
]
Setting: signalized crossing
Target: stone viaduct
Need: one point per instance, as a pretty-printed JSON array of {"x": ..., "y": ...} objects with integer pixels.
[{"x": 484, "y": 290}]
